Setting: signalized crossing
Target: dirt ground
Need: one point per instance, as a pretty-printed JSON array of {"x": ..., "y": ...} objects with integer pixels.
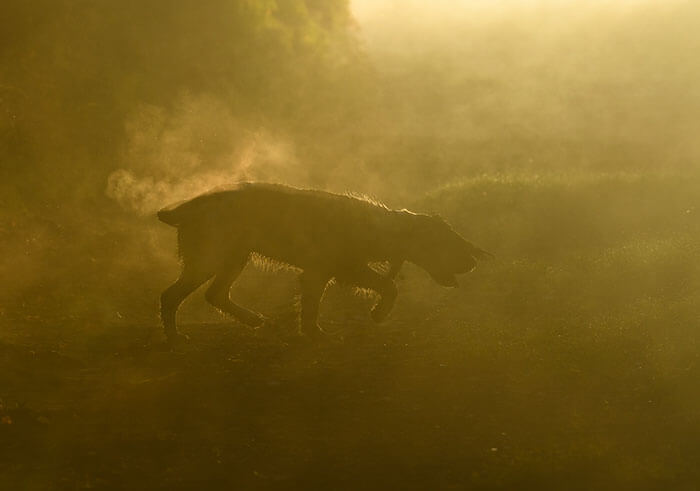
[
  {"x": 425, "y": 406},
  {"x": 571, "y": 364}
]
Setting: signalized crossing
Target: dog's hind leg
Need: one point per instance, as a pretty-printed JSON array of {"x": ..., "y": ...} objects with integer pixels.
[
  {"x": 190, "y": 279},
  {"x": 312, "y": 287},
  {"x": 218, "y": 293},
  {"x": 365, "y": 277}
]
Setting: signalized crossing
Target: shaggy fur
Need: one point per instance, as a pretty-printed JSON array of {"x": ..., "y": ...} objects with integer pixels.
[{"x": 326, "y": 236}]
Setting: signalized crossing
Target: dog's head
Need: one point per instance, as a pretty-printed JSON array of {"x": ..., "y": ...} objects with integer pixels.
[{"x": 442, "y": 252}]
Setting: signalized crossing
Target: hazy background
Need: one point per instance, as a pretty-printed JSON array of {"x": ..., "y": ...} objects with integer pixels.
[
  {"x": 561, "y": 135},
  {"x": 138, "y": 105}
]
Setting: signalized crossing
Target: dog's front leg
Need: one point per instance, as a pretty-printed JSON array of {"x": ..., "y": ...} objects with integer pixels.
[
  {"x": 366, "y": 277},
  {"x": 312, "y": 287},
  {"x": 386, "y": 288}
]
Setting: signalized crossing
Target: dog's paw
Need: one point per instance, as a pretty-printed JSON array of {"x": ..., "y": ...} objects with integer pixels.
[
  {"x": 379, "y": 313},
  {"x": 266, "y": 325},
  {"x": 177, "y": 339},
  {"x": 309, "y": 332},
  {"x": 255, "y": 320},
  {"x": 262, "y": 323}
]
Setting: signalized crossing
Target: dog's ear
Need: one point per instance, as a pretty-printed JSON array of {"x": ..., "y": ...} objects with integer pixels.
[{"x": 481, "y": 254}]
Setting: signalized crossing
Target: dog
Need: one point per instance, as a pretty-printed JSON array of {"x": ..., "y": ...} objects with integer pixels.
[{"x": 324, "y": 235}]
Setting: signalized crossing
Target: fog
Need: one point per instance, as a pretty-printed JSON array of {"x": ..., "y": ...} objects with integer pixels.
[
  {"x": 559, "y": 135},
  {"x": 595, "y": 76}
]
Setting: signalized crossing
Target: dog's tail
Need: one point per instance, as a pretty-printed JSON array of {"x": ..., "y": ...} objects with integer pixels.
[
  {"x": 170, "y": 215},
  {"x": 188, "y": 211}
]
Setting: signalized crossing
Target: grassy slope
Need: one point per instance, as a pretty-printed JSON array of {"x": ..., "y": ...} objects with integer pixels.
[{"x": 569, "y": 361}]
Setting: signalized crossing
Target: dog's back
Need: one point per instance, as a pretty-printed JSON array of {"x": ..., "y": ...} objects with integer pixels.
[{"x": 304, "y": 228}]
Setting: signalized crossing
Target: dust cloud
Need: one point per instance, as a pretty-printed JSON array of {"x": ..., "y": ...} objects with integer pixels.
[{"x": 198, "y": 146}]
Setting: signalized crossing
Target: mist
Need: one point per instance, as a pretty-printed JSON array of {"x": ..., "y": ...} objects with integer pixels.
[
  {"x": 610, "y": 85},
  {"x": 561, "y": 136}
]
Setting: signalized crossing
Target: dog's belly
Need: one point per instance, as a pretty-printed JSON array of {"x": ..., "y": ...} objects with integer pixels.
[
  {"x": 311, "y": 244},
  {"x": 304, "y": 253}
]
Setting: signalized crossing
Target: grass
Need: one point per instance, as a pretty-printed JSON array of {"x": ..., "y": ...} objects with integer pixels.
[{"x": 569, "y": 362}]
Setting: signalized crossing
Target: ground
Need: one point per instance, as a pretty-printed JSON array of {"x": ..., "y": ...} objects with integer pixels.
[{"x": 568, "y": 362}]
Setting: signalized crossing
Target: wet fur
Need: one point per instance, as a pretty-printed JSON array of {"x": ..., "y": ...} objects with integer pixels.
[{"x": 322, "y": 235}]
